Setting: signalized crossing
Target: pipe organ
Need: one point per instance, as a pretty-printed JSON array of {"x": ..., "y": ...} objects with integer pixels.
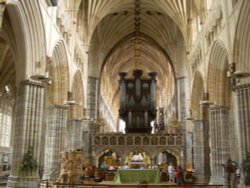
[{"x": 138, "y": 101}]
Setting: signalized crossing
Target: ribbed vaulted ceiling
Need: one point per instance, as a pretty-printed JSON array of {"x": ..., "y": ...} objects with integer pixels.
[
  {"x": 156, "y": 24},
  {"x": 111, "y": 35}
]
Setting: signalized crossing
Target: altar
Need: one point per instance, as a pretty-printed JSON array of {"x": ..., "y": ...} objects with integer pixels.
[{"x": 137, "y": 176}]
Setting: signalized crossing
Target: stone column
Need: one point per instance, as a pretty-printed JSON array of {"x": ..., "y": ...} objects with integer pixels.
[
  {"x": 85, "y": 140},
  {"x": 74, "y": 135},
  {"x": 2, "y": 8},
  {"x": 219, "y": 136},
  {"x": 181, "y": 98},
  {"x": 27, "y": 130},
  {"x": 91, "y": 112},
  {"x": 55, "y": 140},
  {"x": 201, "y": 151},
  {"x": 189, "y": 145},
  {"x": 182, "y": 101},
  {"x": 243, "y": 121}
]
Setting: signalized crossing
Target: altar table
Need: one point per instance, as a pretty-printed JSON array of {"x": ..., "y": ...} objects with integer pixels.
[{"x": 137, "y": 176}]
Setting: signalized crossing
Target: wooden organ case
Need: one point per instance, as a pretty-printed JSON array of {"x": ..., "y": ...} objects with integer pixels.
[{"x": 138, "y": 101}]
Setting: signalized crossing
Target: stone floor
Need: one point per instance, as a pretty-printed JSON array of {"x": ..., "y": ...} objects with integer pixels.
[{"x": 111, "y": 184}]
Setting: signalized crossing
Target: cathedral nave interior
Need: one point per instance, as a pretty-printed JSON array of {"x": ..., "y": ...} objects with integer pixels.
[{"x": 91, "y": 90}]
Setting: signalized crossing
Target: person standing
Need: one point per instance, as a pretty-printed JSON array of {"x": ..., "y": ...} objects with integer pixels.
[
  {"x": 179, "y": 175},
  {"x": 171, "y": 172}
]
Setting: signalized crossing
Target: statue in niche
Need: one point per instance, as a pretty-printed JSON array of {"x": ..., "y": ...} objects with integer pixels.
[
  {"x": 105, "y": 140},
  {"x": 129, "y": 141},
  {"x": 137, "y": 140},
  {"x": 97, "y": 140},
  {"x": 178, "y": 140},
  {"x": 145, "y": 141},
  {"x": 154, "y": 141},
  {"x": 170, "y": 140},
  {"x": 113, "y": 140},
  {"x": 162, "y": 141},
  {"x": 121, "y": 141}
]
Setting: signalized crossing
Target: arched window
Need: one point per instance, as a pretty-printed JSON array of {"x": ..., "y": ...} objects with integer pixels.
[{"x": 5, "y": 120}]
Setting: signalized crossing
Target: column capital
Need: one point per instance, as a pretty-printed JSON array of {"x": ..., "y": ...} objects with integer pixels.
[
  {"x": 217, "y": 107},
  {"x": 76, "y": 120},
  {"x": 63, "y": 106},
  {"x": 205, "y": 105},
  {"x": 199, "y": 121},
  {"x": 241, "y": 87},
  {"x": 31, "y": 82}
]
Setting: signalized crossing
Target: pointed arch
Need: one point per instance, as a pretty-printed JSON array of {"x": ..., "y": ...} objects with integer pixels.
[
  {"x": 197, "y": 96},
  {"x": 217, "y": 81},
  {"x": 102, "y": 152},
  {"x": 176, "y": 153},
  {"x": 59, "y": 72},
  {"x": 26, "y": 20},
  {"x": 76, "y": 111},
  {"x": 242, "y": 41}
]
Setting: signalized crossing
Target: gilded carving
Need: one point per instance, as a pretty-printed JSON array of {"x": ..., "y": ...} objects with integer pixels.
[{"x": 71, "y": 167}]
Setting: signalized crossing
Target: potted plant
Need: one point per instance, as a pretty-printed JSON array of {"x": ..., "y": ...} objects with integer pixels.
[
  {"x": 246, "y": 168},
  {"x": 28, "y": 163}
]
